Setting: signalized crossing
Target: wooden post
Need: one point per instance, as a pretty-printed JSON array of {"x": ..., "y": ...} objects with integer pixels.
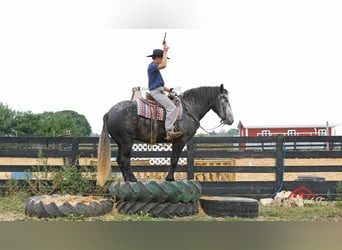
[
  {"x": 190, "y": 169},
  {"x": 279, "y": 154},
  {"x": 75, "y": 151},
  {"x": 328, "y": 134}
]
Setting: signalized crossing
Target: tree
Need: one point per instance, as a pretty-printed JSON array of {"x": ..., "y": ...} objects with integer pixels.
[
  {"x": 72, "y": 121},
  {"x": 26, "y": 124},
  {"x": 222, "y": 133},
  {"x": 61, "y": 123},
  {"x": 6, "y": 120},
  {"x": 233, "y": 132},
  {"x": 44, "y": 124}
]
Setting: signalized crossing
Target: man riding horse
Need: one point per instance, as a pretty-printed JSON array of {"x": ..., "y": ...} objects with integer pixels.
[
  {"x": 123, "y": 124},
  {"x": 157, "y": 87}
]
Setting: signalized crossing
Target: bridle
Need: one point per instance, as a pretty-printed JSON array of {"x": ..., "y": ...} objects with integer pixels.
[
  {"x": 196, "y": 120},
  {"x": 224, "y": 108}
]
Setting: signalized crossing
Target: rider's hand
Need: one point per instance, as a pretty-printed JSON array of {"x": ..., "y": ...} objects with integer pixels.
[
  {"x": 165, "y": 47},
  {"x": 173, "y": 91}
]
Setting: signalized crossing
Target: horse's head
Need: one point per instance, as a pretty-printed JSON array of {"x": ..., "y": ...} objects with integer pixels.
[{"x": 222, "y": 107}]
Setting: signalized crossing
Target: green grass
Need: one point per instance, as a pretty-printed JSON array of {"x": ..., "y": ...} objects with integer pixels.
[
  {"x": 13, "y": 203},
  {"x": 12, "y": 207},
  {"x": 313, "y": 212}
]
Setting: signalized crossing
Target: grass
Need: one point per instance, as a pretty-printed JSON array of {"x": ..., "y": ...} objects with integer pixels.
[
  {"x": 12, "y": 208},
  {"x": 313, "y": 212},
  {"x": 13, "y": 203}
]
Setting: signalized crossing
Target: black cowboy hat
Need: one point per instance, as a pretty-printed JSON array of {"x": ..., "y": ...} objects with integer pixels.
[{"x": 157, "y": 53}]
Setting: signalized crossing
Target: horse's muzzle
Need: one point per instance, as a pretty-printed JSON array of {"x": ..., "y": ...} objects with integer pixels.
[{"x": 227, "y": 121}]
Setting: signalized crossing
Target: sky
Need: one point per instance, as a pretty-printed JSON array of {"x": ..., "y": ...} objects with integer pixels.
[{"x": 280, "y": 61}]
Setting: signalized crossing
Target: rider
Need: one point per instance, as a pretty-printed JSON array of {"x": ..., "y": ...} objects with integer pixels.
[{"x": 156, "y": 87}]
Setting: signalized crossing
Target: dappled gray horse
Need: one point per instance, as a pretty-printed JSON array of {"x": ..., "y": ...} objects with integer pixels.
[{"x": 123, "y": 124}]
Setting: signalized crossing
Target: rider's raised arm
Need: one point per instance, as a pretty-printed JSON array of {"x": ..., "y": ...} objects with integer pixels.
[{"x": 163, "y": 63}]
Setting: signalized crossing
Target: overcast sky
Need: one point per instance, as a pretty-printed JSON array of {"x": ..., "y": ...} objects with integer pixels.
[{"x": 281, "y": 61}]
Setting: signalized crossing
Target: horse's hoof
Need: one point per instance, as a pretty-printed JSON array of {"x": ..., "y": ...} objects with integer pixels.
[
  {"x": 132, "y": 179},
  {"x": 170, "y": 179},
  {"x": 129, "y": 180}
]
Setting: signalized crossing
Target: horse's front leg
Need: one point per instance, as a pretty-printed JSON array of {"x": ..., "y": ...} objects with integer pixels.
[
  {"x": 177, "y": 147},
  {"x": 124, "y": 161}
]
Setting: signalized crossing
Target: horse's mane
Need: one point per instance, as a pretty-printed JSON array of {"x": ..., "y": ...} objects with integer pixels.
[{"x": 201, "y": 93}]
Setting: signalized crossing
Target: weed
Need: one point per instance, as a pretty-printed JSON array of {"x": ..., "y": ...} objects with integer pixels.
[
  {"x": 13, "y": 203},
  {"x": 339, "y": 191},
  {"x": 43, "y": 179},
  {"x": 11, "y": 187},
  {"x": 338, "y": 204}
]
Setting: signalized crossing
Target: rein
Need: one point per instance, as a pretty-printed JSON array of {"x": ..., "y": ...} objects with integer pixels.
[
  {"x": 206, "y": 130},
  {"x": 196, "y": 119}
]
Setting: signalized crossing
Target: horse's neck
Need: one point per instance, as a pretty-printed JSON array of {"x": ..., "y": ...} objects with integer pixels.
[
  {"x": 200, "y": 100},
  {"x": 198, "y": 110}
]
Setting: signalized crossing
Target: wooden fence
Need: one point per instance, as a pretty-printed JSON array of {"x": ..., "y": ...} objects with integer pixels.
[{"x": 235, "y": 166}]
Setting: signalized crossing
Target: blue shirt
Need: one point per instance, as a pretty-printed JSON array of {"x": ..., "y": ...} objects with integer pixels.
[{"x": 155, "y": 79}]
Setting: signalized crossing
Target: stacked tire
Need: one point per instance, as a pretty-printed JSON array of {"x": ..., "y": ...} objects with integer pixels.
[
  {"x": 157, "y": 198},
  {"x": 65, "y": 205}
]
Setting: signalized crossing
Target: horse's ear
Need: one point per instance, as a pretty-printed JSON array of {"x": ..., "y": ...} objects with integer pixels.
[{"x": 221, "y": 88}]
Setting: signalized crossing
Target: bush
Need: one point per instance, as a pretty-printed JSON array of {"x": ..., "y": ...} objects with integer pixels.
[
  {"x": 339, "y": 191},
  {"x": 42, "y": 179},
  {"x": 69, "y": 180}
]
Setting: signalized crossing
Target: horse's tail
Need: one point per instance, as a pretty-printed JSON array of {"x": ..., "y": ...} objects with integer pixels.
[{"x": 103, "y": 154}]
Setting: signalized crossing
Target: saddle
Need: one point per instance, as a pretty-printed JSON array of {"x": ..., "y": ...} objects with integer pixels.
[
  {"x": 149, "y": 98},
  {"x": 149, "y": 108}
]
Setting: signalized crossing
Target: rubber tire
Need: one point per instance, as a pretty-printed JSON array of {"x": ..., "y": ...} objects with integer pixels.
[
  {"x": 223, "y": 206},
  {"x": 153, "y": 209},
  {"x": 58, "y": 206},
  {"x": 156, "y": 191}
]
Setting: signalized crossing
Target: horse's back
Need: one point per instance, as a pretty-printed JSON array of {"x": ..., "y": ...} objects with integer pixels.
[
  {"x": 121, "y": 115},
  {"x": 121, "y": 108}
]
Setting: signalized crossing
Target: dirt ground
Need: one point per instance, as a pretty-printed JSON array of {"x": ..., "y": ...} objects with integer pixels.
[{"x": 11, "y": 217}]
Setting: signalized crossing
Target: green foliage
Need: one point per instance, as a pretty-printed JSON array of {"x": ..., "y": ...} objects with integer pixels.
[
  {"x": 52, "y": 124},
  {"x": 339, "y": 191},
  {"x": 6, "y": 120},
  {"x": 233, "y": 132},
  {"x": 26, "y": 124},
  {"x": 42, "y": 180},
  {"x": 314, "y": 212},
  {"x": 338, "y": 204},
  {"x": 11, "y": 187},
  {"x": 69, "y": 180},
  {"x": 13, "y": 203},
  {"x": 329, "y": 196},
  {"x": 44, "y": 124},
  {"x": 221, "y": 133}
]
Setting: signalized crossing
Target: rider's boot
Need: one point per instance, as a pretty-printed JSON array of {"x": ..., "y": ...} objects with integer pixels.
[{"x": 171, "y": 135}]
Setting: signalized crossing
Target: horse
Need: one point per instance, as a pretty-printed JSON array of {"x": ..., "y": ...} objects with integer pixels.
[{"x": 124, "y": 126}]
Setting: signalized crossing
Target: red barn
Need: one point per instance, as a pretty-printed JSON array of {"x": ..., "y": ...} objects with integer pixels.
[{"x": 288, "y": 130}]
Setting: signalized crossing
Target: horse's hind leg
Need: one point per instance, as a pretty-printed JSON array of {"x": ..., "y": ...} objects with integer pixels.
[{"x": 124, "y": 161}]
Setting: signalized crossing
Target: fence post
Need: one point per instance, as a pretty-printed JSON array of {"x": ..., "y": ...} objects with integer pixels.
[
  {"x": 75, "y": 151},
  {"x": 279, "y": 175},
  {"x": 190, "y": 154}
]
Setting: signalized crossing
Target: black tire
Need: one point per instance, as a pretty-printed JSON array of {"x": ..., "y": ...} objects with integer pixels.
[
  {"x": 220, "y": 206},
  {"x": 64, "y": 205},
  {"x": 164, "y": 210},
  {"x": 156, "y": 191}
]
